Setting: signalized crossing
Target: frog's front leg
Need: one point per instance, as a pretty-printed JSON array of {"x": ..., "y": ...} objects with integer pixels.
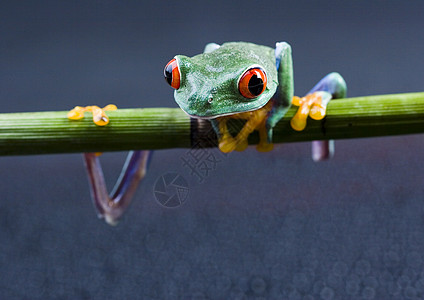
[
  {"x": 226, "y": 142},
  {"x": 255, "y": 120},
  {"x": 314, "y": 104},
  {"x": 282, "y": 99}
]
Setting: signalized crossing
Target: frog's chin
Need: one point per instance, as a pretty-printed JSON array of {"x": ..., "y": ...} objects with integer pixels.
[{"x": 209, "y": 117}]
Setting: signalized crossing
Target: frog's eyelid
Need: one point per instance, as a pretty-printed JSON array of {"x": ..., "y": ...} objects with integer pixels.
[
  {"x": 179, "y": 68},
  {"x": 172, "y": 74}
]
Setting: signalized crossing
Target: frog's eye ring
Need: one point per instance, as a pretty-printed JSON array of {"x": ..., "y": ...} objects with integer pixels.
[
  {"x": 252, "y": 83},
  {"x": 172, "y": 74}
]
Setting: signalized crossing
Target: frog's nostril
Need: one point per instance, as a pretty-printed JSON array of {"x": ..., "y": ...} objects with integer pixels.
[{"x": 210, "y": 99}]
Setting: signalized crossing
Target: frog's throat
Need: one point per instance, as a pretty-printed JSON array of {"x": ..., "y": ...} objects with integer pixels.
[{"x": 224, "y": 114}]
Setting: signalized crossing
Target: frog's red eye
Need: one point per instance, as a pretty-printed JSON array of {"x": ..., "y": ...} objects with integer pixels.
[
  {"x": 252, "y": 83},
  {"x": 172, "y": 74}
]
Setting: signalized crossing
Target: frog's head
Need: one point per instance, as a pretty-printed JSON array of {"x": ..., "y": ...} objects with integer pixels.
[{"x": 216, "y": 84}]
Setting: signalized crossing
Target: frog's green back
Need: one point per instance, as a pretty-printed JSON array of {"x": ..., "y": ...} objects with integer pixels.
[{"x": 209, "y": 81}]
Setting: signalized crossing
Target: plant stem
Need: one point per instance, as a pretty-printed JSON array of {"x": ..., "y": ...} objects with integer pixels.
[{"x": 164, "y": 128}]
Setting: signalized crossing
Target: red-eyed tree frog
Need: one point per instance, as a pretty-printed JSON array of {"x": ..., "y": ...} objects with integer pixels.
[
  {"x": 246, "y": 81},
  {"x": 236, "y": 80}
]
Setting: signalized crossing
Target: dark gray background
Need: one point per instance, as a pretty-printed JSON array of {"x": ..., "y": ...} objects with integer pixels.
[{"x": 272, "y": 225}]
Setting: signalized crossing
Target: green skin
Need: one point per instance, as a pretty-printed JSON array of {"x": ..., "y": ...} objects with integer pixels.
[{"x": 209, "y": 81}]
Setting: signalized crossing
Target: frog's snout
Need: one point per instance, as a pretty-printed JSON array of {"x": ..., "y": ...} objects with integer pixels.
[
  {"x": 211, "y": 95},
  {"x": 201, "y": 101}
]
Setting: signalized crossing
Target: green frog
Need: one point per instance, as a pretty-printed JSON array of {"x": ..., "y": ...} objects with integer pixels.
[{"x": 240, "y": 80}]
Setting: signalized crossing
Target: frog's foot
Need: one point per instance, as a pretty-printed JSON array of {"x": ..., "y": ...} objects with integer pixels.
[
  {"x": 226, "y": 142},
  {"x": 99, "y": 116},
  {"x": 314, "y": 105},
  {"x": 255, "y": 120}
]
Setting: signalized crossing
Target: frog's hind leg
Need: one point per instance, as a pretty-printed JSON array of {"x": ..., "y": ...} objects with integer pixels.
[
  {"x": 334, "y": 84},
  {"x": 112, "y": 206}
]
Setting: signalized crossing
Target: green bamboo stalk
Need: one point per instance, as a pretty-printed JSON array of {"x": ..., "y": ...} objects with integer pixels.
[{"x": 164, "y": 128}]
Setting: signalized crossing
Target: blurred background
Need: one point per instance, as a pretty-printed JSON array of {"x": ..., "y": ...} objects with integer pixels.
[{"x": 259, "y": 226}]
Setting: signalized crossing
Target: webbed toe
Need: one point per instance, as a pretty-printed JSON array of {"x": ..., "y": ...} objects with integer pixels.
[
  {"x": 313, "y": 105},
  {"x": 99, "y": 116}
]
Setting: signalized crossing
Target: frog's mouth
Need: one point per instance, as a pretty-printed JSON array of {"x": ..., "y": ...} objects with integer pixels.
[{"x": 209, "y": 117}]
